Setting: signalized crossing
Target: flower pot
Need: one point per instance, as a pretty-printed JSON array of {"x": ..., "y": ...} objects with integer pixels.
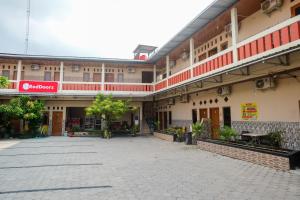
[
  {"x": 174, "y": 137},
  {"x": 188, "y": 138}
]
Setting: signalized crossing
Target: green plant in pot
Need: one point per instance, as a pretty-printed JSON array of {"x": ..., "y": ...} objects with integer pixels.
[
  {"x": 228, "y": 134},
  {"x": 197, "y": 129},
  {"x": 180, "y": 134}
]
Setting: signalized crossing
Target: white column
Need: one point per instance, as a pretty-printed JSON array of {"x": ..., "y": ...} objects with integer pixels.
[
  {"x": 192, "y": 48},
  {"x": 103, "y": 76},
  {"x": 154, "y": 74},
  {"x": 50, "y": 122},
  {"x": 64, "y": 120},
  {"x": 19, "y": 72},
  {"x": 234, "y": 32},
  {"x": 141, "y": 119},
  {"x": 61, "y": 76},
  {"x": 167, "y": 68}
]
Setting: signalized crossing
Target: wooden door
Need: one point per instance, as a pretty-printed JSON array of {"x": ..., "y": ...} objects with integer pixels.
[
  {"x": 215, "y": 122},
  {"x": 203, "y": 113},
  {"x": 57, "y": 119},
  {"x": 97, "y": 77},
  {"x": 147, "y": 77},
  {"x": 56, "y": 76},
  {"x": 109, "y": 77}
]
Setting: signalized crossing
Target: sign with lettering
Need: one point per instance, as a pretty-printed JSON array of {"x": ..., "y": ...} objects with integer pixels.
[
  {"x": 38, "y": 86},
  {"x": 249, "y": 111}
]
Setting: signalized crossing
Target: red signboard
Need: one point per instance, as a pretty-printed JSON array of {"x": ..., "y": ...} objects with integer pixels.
[{"x": 38, "y": 86}]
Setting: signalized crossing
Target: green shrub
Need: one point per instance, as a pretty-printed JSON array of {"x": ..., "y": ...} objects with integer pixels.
[
  {"x": 275, "y": 138},
  {"x": 227, "y": 133},
  {"x": 197, "y": 129}
]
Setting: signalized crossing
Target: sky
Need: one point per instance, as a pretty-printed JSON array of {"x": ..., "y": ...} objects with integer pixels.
[{"x": 93, "y": 28}]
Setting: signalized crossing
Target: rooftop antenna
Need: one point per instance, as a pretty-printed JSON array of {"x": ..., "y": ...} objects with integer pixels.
[{"x": 27, "y": 27}]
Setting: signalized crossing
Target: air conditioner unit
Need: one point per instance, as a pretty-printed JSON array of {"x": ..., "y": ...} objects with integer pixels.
[
  {"x": 268, "y": 6},
  {"x": 75, "y": 68},
  {"x": 131, "y": 70},
  {"x": 185, "y": 55},
  {"x": 223, "y": 91},
  {"x": 171, "y": 101},
  {"x": 35, "y": 67},
  {"x": 265, "y": 83},
  {"x": 184, "y": 98},
  {"x": 172, "y": 63}
]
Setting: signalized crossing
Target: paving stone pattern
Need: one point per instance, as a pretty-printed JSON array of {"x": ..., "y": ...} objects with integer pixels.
[{"x": 132, "y": 168}]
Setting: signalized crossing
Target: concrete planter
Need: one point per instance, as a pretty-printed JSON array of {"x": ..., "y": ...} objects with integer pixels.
[
  {"x": 281, "y": 160},
  {"x": 162, "y": 136}
]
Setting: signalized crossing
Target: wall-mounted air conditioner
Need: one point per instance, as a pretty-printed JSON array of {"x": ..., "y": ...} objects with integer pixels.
[
  {"x": 131, "y": 70},
  {"x": 268, "y": 6},
  {"x": 184, "y": 98},
  {"x": 171, "y": 101},
  {"x": 223, "y": 91},
  {"x": 185, "y": 55},
  {"x": 35, "y": 67},
  {"x": 75, "y": 68},
  {"x": 265, "y": 83}
]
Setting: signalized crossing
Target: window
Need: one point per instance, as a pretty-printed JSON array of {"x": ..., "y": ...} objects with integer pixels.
[
  {"x": 295, "y": 10},
  {"x": 5, "y": 73},
  {"x": 47, "y": 76},
  {"x": 170, "y": 117},
  {"x": 86, "y": 77},
  {"x": 120, "y": 78}
]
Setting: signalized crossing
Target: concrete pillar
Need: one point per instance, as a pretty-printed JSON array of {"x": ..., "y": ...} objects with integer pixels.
[
  {"x": 234, "y": 32},
  {"x": 192, "y": 48},
  {"x": 19, "y": 72},
  {"x": 141, "y": 119},
  {"x": 50, "y": 122},
  {"x": 103, "y": 75},
  {"x": 64, "y": 120},
  {"x": 168, "y": 68},
  {"x": 61, "y": 76},
  {"x": 154, "y": 74}
]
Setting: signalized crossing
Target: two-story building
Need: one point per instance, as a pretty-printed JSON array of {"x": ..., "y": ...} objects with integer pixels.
[{"x": 237, "y": 64}]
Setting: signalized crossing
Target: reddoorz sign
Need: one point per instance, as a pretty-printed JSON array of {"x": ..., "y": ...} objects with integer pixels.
[{"x": 38, "y": 86}]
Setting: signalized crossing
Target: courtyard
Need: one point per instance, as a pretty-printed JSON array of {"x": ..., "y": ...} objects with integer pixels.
[{"x": 132, "y": 168}]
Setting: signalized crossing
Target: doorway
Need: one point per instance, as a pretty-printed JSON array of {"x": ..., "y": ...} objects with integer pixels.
[
  {"x": 215, "y": 122},
  {"x": 97, "y": 77},
  {"x": 165, "y": 120},
  {"x": 147, "y": 77},
  {"x": 203, "y": 114},
  {"x": 194, "y": 116},
  {"x": 56, "y": 76},
  {"x": 160, "y": 120},
  {"x": 57, "y": 118},
  {"x": 227, "y": 116}
]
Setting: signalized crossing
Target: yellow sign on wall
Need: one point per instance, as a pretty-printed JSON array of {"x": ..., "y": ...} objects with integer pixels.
[{"x": 249, "y": 111}]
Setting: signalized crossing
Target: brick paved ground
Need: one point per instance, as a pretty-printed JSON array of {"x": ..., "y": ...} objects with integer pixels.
[{"x": 132, "y": 168}]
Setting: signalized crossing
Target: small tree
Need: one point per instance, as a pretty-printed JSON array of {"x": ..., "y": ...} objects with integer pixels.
[
  {"x": 108, "y": 109},
  {"x": 3, "y": 82},
  {"x": 23, "y": 108}
]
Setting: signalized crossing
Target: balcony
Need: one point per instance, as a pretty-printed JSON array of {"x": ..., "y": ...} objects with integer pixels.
[{"x": 272, "y": 41}]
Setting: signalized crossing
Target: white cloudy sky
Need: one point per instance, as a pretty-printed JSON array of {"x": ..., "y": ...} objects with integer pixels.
[{"x": 102, "y": 28}]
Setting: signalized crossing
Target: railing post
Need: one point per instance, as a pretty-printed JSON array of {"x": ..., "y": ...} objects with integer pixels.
[
  {"x": 19, "y": 72},
  {"x": 103, "y": 76},
  {"x": 234, "y": 32},
  {"x": 192, "y": 47},
  {"x": 61, "y": 76}
]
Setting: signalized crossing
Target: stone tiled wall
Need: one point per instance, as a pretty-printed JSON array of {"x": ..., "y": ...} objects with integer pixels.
[
  {"x": 268, "y": 160},
  {"x": 291, "y": 130},
  {"x": 181, "y": 123}
]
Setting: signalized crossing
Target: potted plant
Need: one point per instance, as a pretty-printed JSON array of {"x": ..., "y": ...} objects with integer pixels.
[
  {"x": 228, "y": 134},
  {"x": 134, "y": 130},
  {"x": 196, "y": 131},
  {"x": 275, "y": 138},
  {"x": 180, "y": 134}
]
